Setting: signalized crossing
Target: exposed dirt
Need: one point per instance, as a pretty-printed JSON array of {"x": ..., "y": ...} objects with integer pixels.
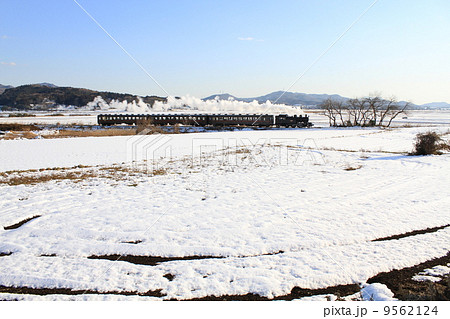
[
  {"x": 155, "y": 260},
  {"x": 169, "y": 277},
  {"x": 18, "y": 127},
  {"x": 352, "y": 168},
  {"x": 400, "y": 282},
  {"x": 5, "y": 254},
  {"x": 135, "y": 242},
  {"x": 149, "y": 260},
  {"x": 17, "y": 225},
  {"x": 66, "y": 291},
  {"x": 296, "y": 292},
  {"x": 412, "y": 233}
]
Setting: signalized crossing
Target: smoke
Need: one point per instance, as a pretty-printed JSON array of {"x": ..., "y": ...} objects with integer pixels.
[
  {"x": 121, "y": 106},
  {"x": 192, "y": 105}
]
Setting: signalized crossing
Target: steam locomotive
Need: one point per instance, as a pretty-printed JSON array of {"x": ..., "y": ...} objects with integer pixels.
[{"x": 262, "y": 120}]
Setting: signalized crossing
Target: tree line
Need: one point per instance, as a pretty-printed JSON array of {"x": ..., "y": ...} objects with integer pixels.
[
  {"x": 36, "y": 96},
  {"x": 366, "y": 111}
]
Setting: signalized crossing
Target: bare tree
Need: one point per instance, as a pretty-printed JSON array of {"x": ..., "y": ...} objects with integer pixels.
[
  {"x": 359, "y": 112},
  {"x": 329, "y": 110},
  {"x": 368, "y": 111},
  {"x": 392, "y": 111}
]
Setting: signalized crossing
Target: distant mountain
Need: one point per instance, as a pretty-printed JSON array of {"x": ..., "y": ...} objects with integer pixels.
[
  {"x": 50, "y": 85},
  {"x": 291, "y": 98},
  {"x": 436, "y": 105},
  {"x": 4, "y": 87},
  {"x": 46, "y": 96},
  {"x": 288, "y": 98},
  {"x": 312, "y": 100},
  {"x": 225, "y": 96}
]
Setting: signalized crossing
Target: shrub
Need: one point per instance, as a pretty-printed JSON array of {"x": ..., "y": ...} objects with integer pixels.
[
  {"x": 429, "y": 143},
  {"x": 21, "y": 115}
]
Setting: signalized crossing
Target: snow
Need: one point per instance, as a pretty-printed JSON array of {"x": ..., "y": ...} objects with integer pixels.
[
  {"x": 377, "y": 292},
  {"x": 426, "y": 278},
  {"x": 81, "y": 297},
  {"x": 87, "y": 116},
  {"x": 438, "y": 271},
  {"x": 328, "y": 297},
  {"x": 433, "y": 274},
  {"x": 15, "y": 154},
  {"x": 244, "y": 196}
]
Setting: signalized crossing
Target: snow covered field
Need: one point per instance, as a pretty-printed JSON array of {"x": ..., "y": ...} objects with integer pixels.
[
  {"x": 81, "y": 117},
  {"x": 266, "y": 211}
]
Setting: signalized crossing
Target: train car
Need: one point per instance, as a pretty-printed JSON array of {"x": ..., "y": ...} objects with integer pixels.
[
  {"x": 173, "y": 119},
  {"x": 241, "y": 120},
  {"x": 262, "y": 120}
]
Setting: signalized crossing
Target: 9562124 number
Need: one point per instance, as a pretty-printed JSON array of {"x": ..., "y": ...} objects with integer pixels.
[{"x": 410, "y": 310}]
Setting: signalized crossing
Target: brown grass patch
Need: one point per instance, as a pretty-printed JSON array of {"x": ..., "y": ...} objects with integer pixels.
[
  {"x": 77, "y": 174},
  {"x": 27, "y": 179},
  {"x": 91, "y": 133},
  {"x": 16, "y": 131},
  {"x": 242, "y": 151},
  {"x": 21, "y": 115},
  {"x": 159, "y": 171},
  {"x": 18, "y": 127},
  {"x": 17, "y": 135}
]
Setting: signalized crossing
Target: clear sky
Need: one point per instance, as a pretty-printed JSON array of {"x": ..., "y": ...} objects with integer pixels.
[{"x": 245, "y": 48}]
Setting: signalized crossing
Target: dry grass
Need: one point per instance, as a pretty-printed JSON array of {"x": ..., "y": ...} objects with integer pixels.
[
  {"x": 352, "y": 168},
  {"x": 242, "y": 151},
  {"x": 150, "y": 129},
  {"x": 17, "y": 131},
  {"x": 28, "y": 179},
  {"x": 12, "y": 135},
  {"x": 77, "y": 174},
  {"x": 430, "y": 143},
  {"x": 18, "y": 127},
  {"x": 230, "y": 151},
  {"x": 159, "y": 171},
  {"x": 91, "y": 133},
  {"x": 156, "y": 129},
  {"x": 21, "y": 115}
]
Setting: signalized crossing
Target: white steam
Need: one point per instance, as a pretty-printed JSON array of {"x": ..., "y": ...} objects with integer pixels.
[
  {"x": 121, "y": 106},
  {"x": 195, "y": 104},
  {"x": 191, "y": 104}
]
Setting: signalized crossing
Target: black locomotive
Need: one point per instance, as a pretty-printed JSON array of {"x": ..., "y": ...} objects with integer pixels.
[{"x": 263, "y": 120}]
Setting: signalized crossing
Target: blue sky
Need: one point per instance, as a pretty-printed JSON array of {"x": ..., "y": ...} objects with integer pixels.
[{"x": 245, "y": 48}]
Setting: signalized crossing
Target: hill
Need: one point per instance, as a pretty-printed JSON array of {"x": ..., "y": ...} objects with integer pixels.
[
  {"x": 46, "y": 96},
  {"x": 4, "y": 87},
  {"x": 312, "y": 100},
  {"x": 436, "y": 105},
  {"x": 225, "y": 96},
  {"x": 288, "y": 98}
]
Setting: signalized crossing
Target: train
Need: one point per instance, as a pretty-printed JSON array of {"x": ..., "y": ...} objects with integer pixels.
[{"x": 258, "y": 120}]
